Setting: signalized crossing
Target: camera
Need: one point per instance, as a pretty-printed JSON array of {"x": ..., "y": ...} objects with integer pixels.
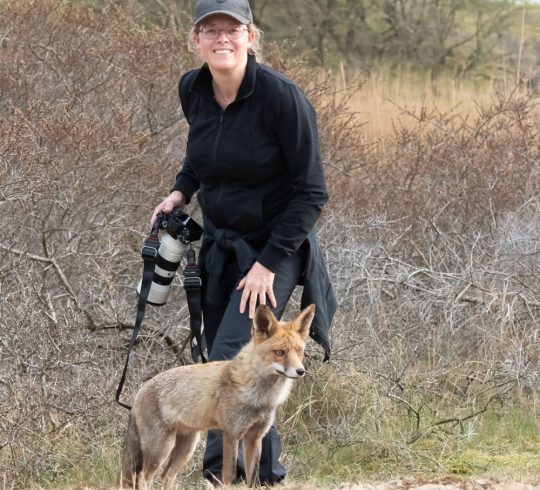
[{"x": 180, "y": 230}]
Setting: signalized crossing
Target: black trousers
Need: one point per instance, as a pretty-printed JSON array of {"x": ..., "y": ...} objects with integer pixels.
[{"x": 226, "y": 332}]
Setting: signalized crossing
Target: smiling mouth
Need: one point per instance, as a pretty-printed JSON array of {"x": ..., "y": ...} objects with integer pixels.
[{"x": 222, "y": 51}]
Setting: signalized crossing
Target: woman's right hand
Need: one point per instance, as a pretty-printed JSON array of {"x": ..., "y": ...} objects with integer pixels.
[{"x": 175, "y": 200}]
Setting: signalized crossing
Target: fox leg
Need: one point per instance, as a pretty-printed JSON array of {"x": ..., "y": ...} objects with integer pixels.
[
  {"x": 230, "y": 453},
  {"x": 252, "y": 452},
  {"x": 154, "y": 456},
  {"x": 182, "y": 452}
]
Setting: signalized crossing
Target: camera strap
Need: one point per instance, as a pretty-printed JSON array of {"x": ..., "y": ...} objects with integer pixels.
[
  {"x": 193, "y": 287},
  {"x": 149, "y": 254}
]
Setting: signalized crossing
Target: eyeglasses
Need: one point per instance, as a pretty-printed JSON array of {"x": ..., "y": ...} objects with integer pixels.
[{"x": 214, "y": 32}]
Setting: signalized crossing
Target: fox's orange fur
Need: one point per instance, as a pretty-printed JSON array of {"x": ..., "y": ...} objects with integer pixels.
[{"x": 239, "y": 397}]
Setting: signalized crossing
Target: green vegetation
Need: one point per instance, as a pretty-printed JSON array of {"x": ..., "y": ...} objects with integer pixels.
[
  {"x": 457, "y": 37},
  {"x": 367, "y": 442},
  {"x": 350, "y": 430}
]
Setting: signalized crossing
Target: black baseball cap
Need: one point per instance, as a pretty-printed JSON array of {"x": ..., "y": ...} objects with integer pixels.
[{"x": 238, "y": 9}]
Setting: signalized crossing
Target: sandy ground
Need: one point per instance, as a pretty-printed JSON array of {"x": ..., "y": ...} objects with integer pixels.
[
  {"x": 442, "y": 484},
  {"x": 448, "y": 483}
]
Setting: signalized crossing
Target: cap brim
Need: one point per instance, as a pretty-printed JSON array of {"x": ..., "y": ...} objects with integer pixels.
[{"x": 239, "y": 18}]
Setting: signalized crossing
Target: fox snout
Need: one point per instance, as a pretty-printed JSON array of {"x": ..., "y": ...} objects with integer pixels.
[{"x": 290, "y": 372}]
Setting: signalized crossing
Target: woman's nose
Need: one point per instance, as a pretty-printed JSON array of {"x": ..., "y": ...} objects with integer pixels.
[{"x": 222, "y": 36}]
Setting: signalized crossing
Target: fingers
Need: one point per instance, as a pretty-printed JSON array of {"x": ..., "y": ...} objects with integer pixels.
[
  {"x": 253, "y": 304},
  {"x": 156, "y": 212},
  {"x": 272, "y": 298},
  {"x": 175, "y": 199},
  {"x": 256, "y": 287},
  {"x": 251, "y": 298},
  {"x": 244, "y": 299},
  {"x": 158, "y": 209},
  {"x": 164, "y": 206}
]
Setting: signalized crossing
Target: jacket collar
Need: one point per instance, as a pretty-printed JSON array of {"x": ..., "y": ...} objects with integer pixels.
[{"x": 202, "y": 83}]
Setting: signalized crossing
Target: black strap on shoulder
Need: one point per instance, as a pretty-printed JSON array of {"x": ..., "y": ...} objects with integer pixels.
[
  {"x": 149, "y": 254},
  {"x": 193, "y": 286}
]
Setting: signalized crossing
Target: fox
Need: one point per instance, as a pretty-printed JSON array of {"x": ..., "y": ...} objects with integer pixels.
[{"x": 238, "y": 396}]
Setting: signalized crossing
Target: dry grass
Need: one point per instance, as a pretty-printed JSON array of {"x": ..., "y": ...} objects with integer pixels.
[
  {"x": 384, "y": 97},
  {"x": 431, "y": 237}
]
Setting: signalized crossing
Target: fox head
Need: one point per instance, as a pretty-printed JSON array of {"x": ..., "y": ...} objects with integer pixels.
[{"x": 281, "y": 344}]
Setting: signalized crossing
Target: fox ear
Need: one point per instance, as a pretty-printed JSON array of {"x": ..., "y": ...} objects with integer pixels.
[
  {"x": 303, "y": 321},
  {"x": 263, "y": 322}
]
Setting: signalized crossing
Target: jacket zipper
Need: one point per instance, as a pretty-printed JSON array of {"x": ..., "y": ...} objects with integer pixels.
[
  {"x": 221, "y": 117},
  {"x": 218, "y": 136},
  {"x": 216, "y": 143}
]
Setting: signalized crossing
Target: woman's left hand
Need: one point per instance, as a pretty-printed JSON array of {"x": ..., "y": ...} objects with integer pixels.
[{"x": 257, "y": 285}]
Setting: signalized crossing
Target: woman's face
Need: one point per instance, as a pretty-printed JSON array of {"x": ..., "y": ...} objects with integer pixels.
[{"x": 218, "y": 45}]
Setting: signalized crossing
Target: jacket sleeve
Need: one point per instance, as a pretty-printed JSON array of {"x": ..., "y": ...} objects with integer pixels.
[
  {"x": 186, "y": 180},
  {"x": 296, "y": 129}
]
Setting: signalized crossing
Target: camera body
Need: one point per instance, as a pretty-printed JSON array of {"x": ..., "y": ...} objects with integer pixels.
[
  {"x": 180, "y": 230},
  {"x": 179, "y": 225}
]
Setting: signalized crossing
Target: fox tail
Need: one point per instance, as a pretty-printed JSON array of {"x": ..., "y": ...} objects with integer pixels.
[{"x": 132, "y": 459}]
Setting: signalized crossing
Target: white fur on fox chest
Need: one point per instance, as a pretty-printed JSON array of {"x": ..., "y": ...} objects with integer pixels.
[
  {"x": 285, "y": 391},
  {"x": 258, "y": 405},
  {"x": 269, "y": 395}
]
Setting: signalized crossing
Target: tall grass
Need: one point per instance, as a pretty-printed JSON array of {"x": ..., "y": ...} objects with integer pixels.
[
  {"x": 430, "y": 236},
  {"x": 385, "y": 98}
]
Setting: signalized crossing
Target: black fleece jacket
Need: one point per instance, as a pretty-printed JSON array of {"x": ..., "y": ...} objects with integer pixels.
[
  {"x": 256, "y": 164},
  {"x": 257, "y": 168}
]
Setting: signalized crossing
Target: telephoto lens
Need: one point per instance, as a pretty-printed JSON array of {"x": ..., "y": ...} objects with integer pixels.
[
  {"x": 181, "y": 230},
  {"x": 170, "y": 253}
]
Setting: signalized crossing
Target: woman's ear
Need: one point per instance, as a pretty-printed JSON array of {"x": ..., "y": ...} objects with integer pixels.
[
  {"x": 250, "y": 39},
  {"x": 196, "y": 39}
]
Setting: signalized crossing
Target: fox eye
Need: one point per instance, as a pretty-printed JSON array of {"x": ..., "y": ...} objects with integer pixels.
[{"x": 279, "y": 353}]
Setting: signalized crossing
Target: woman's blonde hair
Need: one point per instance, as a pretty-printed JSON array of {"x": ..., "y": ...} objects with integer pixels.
[{"x": 256, "y": 48}]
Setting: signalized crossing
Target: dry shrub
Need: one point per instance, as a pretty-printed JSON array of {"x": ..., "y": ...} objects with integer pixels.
[
  {"x": 90, "y": 137},
  {"x": 438, "y": 285},
  {"x": 431, "y": 246}
]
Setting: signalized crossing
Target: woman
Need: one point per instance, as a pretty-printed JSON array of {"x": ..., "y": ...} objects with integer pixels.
[{"x": 253, "y": 158}]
